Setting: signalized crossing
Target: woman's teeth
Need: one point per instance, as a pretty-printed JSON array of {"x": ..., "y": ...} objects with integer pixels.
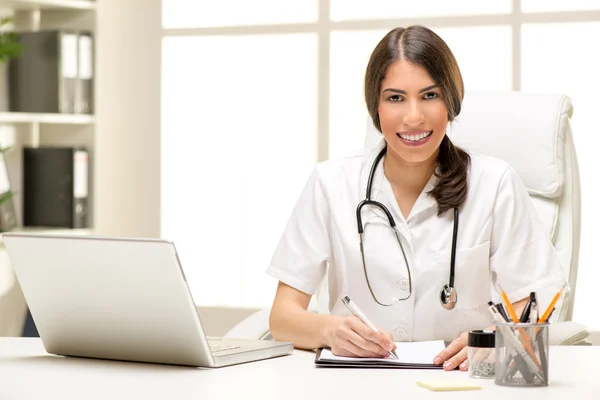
[{"x": 415, "y": 138}]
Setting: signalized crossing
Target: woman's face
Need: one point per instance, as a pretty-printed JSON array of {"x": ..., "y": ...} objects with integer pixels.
[{"x": 412, "y": 113}]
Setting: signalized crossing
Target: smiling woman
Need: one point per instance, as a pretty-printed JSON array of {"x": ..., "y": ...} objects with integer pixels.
[{"x": 388, "y": 234}]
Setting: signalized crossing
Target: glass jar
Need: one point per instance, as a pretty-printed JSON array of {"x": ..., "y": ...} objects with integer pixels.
[{"x": 481, "y": 353}]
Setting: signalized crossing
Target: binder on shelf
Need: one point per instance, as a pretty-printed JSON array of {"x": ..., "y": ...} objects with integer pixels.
[
  {"x": 55, "y": 187},
  {"x": 46, "y": 77},
  {"x": 85, "y": 83}
]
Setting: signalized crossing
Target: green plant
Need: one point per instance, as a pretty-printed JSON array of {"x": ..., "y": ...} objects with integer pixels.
[
  {"x": 9, "y": 42},
  {"x": 6, "y": 196}
]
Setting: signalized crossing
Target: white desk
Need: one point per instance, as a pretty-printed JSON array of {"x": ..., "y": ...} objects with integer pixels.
[{"x": 28, "y": 372}]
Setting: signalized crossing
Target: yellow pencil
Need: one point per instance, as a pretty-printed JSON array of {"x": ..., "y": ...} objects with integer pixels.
[{"x": 548, "y": 311}]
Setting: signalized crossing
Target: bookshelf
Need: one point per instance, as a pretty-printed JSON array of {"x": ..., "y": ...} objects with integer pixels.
[
  {"x": 40, "y": 118},
  {"x": 20, "y": 129}
]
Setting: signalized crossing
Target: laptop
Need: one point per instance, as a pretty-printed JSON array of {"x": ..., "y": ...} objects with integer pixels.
[{"x": 120, "y": 299}]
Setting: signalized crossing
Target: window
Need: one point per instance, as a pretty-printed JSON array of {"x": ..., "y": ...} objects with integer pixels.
[
  {"x": 572, "y": 73},
  {"x": 280, "y": 85},
  {"x": 254, "y": 97}
]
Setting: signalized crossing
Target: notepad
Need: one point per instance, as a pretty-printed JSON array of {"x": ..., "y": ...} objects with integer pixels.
[
  {"x": 418, "y": 355},
  {"x": 447, "y": 385}
]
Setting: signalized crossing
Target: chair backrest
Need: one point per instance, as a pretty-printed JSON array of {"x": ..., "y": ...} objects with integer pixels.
[{"x": 532, "y": 133}]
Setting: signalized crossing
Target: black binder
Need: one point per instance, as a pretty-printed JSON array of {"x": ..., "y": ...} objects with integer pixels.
[
  {"x": 55, "y": 187},
  {"x": 46, "y": 78}
]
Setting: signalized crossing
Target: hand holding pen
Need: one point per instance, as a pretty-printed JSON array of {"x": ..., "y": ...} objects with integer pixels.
[{"x": 356, "y": 336}]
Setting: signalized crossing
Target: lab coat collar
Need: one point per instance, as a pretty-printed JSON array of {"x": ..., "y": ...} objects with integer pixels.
[{"x": 382, "y": 185}]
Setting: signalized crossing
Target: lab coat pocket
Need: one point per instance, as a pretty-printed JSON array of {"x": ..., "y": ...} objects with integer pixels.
[{"x": 472, "y": 276}]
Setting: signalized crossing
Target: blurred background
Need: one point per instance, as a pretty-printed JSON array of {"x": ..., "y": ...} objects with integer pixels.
[{"x": 207, "y": 117}]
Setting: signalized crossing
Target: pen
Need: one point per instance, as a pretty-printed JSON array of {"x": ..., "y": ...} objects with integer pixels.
[
  {"x": 502, "y": 311},
  {"x": 534, "y": 315},
  {"x": 527, "y": 309},
  {"x": 359, "y": 314},
  {"x": 536, "y": 312}
]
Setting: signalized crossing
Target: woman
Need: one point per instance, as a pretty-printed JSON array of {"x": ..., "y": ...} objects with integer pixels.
[{"x": 413, "y": 90}]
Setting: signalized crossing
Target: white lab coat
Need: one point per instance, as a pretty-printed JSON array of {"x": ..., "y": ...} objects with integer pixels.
[{"x": 500, "y": 241}]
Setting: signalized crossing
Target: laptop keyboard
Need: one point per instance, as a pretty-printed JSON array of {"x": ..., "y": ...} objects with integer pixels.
[{"x": 218, "y": 347}]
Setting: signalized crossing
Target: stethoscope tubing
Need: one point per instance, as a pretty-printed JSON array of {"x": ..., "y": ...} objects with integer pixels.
[{"x": 392, "y": 222}]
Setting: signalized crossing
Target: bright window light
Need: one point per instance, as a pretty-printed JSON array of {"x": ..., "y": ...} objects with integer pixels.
[{"x": 238, "y": 144}]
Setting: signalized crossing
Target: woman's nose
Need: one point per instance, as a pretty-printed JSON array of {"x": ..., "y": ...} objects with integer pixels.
[{"x": 413, "y": 116}]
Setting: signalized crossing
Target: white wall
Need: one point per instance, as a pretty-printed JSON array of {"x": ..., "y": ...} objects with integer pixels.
[{"x": 127, "y": 173}]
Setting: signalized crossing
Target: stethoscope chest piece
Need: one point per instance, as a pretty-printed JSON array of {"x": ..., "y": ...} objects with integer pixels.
[{"x": 448, "y": 297}]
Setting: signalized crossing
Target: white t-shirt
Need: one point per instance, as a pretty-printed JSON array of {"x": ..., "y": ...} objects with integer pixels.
[{"x": 501, "y": 241}]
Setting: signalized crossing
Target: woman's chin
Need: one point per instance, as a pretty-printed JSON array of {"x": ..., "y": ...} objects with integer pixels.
[{"x": 413, "y": 157}]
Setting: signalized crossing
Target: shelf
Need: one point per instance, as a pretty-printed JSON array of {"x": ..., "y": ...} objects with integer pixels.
[
  {"x": 27, "y": 118},
  {"x": 49, "y": 4},
  {"x": 52, "y": 231}
]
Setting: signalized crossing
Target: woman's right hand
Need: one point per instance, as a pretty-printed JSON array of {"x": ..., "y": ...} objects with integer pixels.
[{"x": 350, "y": 337}]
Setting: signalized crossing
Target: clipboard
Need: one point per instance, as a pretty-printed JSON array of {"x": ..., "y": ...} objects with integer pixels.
[{"x": 412, "y": 355}]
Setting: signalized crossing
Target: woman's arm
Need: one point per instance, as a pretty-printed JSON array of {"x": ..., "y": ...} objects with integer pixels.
[
  {"x": 291, "y": 322},
  {"x": 456, "y": 353}
]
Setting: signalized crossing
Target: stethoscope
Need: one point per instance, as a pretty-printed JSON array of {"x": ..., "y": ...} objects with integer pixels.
[{"x": 448, "y": 295}]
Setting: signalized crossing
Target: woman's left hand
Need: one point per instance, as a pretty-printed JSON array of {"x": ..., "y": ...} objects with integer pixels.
[{"x": 455, "y": 354}]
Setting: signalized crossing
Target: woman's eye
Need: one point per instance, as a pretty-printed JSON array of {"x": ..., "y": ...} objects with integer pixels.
[
  {"x": 395, "y": 98},
  {"x": 431, "y": 95}
]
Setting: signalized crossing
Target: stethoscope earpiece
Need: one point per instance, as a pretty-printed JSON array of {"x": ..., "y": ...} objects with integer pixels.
[{"x": 448, "y": 297}]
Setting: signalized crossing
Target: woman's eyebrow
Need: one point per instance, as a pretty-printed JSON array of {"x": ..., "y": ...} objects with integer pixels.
[{"x": 400, "y": 91}]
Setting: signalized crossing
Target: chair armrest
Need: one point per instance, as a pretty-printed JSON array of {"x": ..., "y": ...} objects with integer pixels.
[
  {"x": 568, "y": 333},
  {"x": 594, "y": 337},
  {"x": 255, "y": 326}
]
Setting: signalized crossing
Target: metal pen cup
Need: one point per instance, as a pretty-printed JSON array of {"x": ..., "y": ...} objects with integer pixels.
[{"x": 522, "y": 354}]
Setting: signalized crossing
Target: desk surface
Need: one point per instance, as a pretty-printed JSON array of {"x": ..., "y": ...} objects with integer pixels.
[{"x": 28, "y": 372}]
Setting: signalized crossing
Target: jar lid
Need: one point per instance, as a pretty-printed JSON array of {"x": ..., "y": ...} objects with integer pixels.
[{"x": 482, "y": 338}]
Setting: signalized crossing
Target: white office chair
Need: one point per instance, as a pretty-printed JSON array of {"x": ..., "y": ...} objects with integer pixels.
[{"x": 532, "y": 133}]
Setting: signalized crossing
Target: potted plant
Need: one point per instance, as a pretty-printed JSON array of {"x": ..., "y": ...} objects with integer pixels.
[{"x": 9, "y": 48}]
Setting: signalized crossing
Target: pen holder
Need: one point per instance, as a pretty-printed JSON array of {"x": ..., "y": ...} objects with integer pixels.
[{"x": 522, "y": 354}]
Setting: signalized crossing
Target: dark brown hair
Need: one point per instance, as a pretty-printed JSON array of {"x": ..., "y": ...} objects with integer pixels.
[{"x": 421, "y": 46}]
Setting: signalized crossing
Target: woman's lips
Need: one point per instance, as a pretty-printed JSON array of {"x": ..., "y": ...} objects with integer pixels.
[{"x": 418, "y": 142}]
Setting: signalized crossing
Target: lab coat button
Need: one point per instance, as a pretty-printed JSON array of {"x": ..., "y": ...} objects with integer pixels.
[
  {"x": 401, "y": 332},
  {"x": 404, "y": 284}
]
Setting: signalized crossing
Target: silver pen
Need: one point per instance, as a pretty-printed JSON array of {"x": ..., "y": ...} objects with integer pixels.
[{"x": 359, "y": 314}]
